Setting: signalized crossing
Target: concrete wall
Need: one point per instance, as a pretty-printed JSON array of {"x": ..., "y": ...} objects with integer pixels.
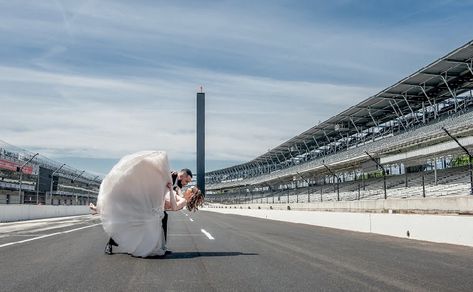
[
  {"x": 27, "y": 212},
  {"x": 12, "y": 195},
  {"x": 453, "y": 229}
]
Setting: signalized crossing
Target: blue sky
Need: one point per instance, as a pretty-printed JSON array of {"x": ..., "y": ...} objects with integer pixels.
[{"x": 86, "y": 82}]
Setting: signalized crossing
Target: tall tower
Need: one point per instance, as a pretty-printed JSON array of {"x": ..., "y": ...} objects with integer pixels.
[{"x": 201, "y": 140}]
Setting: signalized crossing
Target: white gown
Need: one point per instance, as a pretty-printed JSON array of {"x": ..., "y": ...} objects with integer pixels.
[{"x": 131, "y": 203}]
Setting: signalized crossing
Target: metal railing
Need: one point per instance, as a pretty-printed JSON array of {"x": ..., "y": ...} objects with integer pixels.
[{"x": 454, "y": 181}]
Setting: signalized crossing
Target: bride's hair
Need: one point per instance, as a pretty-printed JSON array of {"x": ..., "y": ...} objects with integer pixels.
[{"x": 196, "y": 201}]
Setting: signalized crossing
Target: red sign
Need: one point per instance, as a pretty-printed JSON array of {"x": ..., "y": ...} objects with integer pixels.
[{"x": 5, "y": 164}]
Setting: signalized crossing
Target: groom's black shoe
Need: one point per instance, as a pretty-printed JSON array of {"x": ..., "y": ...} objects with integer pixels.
[
  {"x": 168, "y": 252},
  {"x": 112, "y": 242},
  {"x": 108, "y": 249}
]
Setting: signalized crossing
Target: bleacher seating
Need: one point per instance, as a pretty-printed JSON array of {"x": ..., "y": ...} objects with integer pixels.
[
  {"x": 454, "y": 123},
  {"x": 450, "y": 182}
]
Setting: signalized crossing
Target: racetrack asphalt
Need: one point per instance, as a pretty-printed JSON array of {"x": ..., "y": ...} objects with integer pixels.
[{"x": 218, "y": 252}]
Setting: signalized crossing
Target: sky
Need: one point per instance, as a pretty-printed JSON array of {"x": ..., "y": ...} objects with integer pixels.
[{"x": 86, "y": 82}]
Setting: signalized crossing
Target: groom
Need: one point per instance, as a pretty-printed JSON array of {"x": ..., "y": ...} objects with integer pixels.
[{"x": 179, "y": 179}]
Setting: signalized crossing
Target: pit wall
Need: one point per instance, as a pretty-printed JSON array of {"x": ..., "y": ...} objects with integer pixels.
[
  {"x": 11, "y": 212},
  {"x": 446, "y": 226}
]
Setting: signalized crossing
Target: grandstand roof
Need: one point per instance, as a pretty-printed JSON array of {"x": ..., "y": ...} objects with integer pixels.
[
  {"x": 65, "y": 171},
  {"x": 441, "y": 80}
]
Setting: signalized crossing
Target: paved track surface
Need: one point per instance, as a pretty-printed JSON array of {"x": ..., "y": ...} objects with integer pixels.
[{"x": 247, "y": 254}]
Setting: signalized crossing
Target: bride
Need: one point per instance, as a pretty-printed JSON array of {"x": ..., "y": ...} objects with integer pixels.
[{"x": 132, "y": 200}]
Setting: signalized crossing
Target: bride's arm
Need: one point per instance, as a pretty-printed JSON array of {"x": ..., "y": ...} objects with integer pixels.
[
  {"x": 180, "y": 203},
  {"x": 174, "y": 204}
]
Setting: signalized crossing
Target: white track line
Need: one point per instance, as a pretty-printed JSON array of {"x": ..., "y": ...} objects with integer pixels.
[
  {"x": 47, "y": 235},
  {"x": 68, "y": 218},
  {"x": 207, "y": 234}
]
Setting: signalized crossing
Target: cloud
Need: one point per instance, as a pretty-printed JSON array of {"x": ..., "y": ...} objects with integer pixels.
[
  {"x": 104, "y": 78},
  {"x": 105, "y": 117},
  {"x": 263, "y": 40}
]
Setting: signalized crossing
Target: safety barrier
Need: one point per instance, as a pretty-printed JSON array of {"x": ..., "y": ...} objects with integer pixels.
[{"x": 12, "y": 212}]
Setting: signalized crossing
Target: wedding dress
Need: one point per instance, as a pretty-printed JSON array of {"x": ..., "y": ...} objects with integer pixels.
[{"x": 131, "y": 203}]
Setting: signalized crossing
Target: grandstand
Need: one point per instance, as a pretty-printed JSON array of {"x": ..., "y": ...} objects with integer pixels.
[
  {"x": 28, "y": 178},
  {"x": 413, "y": 139}
]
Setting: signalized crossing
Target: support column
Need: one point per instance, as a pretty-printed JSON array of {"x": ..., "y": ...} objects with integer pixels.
[{"x": 201, "y": 140}]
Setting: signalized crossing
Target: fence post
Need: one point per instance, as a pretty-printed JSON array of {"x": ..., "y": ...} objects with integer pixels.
[
  {"x": 470, "y": 167},
  {"x": 288, "y": 192},
  {"x": 359, "y": 191},
  {"x": 384, "y": 186},
  {"x": 338, "y": 189},
  {"x": 423, "y": 185},
  {"x": 405, "y": 171},
  {"x": 308, "y": 193}
]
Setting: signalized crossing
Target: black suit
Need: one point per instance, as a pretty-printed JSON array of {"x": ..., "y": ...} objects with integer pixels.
[{"x": 165, "y": 218}]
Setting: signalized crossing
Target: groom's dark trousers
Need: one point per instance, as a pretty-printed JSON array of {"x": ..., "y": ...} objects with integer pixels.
[{"x": 165, "y": 225}]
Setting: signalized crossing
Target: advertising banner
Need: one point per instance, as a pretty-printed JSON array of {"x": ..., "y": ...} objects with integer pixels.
[{"x": 5, "y": 164}]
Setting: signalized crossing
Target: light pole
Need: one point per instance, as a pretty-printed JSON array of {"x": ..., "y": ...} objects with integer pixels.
[
  {"x": 77, "y": 176},
  {"x": 470, "y": 158},
  {"x": 37, "y": 187},
  {"x": 308, "y": 187},
  {"x": 51, "y": 184},
  {"x": 20, "y": 169},
  {"x": 90, "y": 191},
  {"x": 383, "y": 171},
  {"x": 335, "y": 177}
]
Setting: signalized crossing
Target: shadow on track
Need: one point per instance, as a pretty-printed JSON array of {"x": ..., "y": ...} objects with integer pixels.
[{"x": 189, "y": 255}]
